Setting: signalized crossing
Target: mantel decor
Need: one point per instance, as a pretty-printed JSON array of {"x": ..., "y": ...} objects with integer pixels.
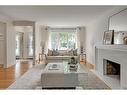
[
  {"x": 120, "y": 37},
  {"x": 108, "y": 37}
]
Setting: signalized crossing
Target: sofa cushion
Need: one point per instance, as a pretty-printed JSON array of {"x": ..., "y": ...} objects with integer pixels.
[
  {"x": 61, "y": 57},
  {"x": 50, "y": 52},
  {"x": 75, "y": 52},
  {"x": 63, "y": 52},
  {"x": 70, "y": 52}
]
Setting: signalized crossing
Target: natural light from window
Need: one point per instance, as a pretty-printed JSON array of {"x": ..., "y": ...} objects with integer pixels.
[{"x": 62, "y": 40}]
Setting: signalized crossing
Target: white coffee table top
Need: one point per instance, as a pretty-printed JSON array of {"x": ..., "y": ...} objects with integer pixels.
[
  {"x": 61, "y": 76},
  {"x": 58, "y": 69},
  {"x": 62, "y": 68}
]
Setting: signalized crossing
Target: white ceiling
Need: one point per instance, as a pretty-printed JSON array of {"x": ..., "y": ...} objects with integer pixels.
[{"x": 56, "y": 15}]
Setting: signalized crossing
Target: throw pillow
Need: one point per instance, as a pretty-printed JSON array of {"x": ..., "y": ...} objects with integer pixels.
[
  {"x": 50, "y": 52},
  {"x": 75, "y": 52},
  {"x": 60, "y": 53},
  {"x": 70, "y": 52},
  {"x": 55, "y": 52}
]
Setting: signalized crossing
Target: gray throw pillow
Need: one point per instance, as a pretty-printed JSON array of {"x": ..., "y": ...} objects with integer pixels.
[
  {"x": 75, "y": 52},
  {"x": 50, "y": 52},
  {"x": 55, "y": 53}
]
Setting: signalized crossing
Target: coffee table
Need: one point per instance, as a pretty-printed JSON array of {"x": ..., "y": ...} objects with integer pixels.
[{"x": 58, "y": 75}]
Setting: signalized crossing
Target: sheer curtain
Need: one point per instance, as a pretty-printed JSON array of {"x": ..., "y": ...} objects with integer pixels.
[
  {"x": 78, "y": 33},
  {"x": 80, "y": 38},
  {"x": 44, "y": 39},
  {"x": 47, "y": 39}
]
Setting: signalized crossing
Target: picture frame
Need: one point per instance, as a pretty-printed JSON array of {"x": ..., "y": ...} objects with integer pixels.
[
  {"x": 108, "y": 37},
  {"x": 120, "y": 37}
]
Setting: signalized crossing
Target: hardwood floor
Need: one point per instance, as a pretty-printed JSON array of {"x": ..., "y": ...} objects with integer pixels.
[
  {"x": 87, "y": 65},
  {"x": 9, "y": 75}
]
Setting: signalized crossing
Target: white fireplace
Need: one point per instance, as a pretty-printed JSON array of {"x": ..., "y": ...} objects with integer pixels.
[{"x": 115, "y": 55}]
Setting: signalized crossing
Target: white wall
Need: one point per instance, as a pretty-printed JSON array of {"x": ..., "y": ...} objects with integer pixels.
[
  {"x": 9, "y": 54},
  {"x": 11, "y": 44},
  {"x": 94, "y": 33},
  {"x": 2, "y": 43}
]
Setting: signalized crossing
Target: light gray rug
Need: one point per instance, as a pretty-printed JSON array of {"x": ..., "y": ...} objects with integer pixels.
[{"x": 32, "y": 80}]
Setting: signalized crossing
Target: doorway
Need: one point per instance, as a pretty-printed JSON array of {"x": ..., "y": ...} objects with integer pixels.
[{"x": 24, "y": 42}]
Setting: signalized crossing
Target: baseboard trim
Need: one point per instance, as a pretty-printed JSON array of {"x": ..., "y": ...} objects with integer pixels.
[{"x": 89, "y": 65}]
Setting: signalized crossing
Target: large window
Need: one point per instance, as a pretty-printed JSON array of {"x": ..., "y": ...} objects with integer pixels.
[{"x": 63, "y": 40}]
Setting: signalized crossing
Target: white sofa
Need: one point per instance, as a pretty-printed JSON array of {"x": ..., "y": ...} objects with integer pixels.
[
  {"x": 62, "y": 55},
  {"x": 59, "y": 58}
]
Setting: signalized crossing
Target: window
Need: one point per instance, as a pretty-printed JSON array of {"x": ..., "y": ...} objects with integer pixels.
[{"x": 63, "y": 40}]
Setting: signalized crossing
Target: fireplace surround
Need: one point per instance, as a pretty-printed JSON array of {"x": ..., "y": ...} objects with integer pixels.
[{"x": 116, "y": 54}]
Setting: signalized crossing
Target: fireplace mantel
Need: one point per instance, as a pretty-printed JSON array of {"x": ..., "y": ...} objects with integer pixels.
[{"x": 112, "y": 47}]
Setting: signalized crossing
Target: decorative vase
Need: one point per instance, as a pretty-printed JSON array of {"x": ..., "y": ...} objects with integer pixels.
[
  {"x": 125, "y": 40},
  {"x": 73, "y": 64}
]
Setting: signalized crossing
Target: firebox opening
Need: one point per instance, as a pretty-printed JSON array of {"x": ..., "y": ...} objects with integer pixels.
[{"x": 111, "y": 68}]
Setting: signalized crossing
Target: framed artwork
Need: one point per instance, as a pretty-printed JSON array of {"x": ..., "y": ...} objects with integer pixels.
[
  {"x": 108, "y": 37},
  {"x": 120, "y": 37}
]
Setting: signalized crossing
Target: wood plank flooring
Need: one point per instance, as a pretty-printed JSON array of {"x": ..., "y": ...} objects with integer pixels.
[
  {"x": 9, "y": 75},
  {"x": 87, "y": 65}
]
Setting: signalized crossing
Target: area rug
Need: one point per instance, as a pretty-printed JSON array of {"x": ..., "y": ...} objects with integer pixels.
[{"x": 32, "y": 80}]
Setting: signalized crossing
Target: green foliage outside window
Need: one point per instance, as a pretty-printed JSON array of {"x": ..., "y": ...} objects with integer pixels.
[{"x": 63, "y": 40}]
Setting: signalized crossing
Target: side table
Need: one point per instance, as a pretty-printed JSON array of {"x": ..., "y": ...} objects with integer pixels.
[{"x": 83, "y": 58}]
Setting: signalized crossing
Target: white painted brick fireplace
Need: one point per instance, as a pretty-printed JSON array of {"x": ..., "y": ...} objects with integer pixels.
[{"x": 115, "y": 53}]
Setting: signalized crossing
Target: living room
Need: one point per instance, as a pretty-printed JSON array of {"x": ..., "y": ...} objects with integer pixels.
[{"x": 59, "y": 34}]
